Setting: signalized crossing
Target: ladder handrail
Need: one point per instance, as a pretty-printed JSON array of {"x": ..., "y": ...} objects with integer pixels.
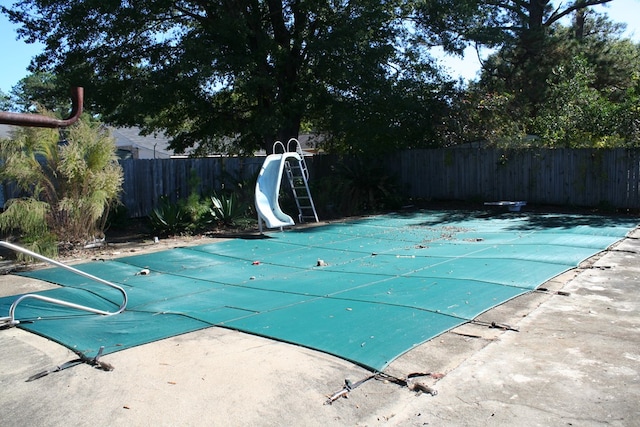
[
  {"x": 297, "y": 148},
  {"x": 11, "y": 320},
  {"x": 279, "y": 144}
]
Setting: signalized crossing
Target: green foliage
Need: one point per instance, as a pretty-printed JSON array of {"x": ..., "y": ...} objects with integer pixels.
[
  {"x": 170, "y": 218},
  {"x": 39, "y": 91},
  {"x": 77, "y": 180},
  {"x": 492, "y": 117},
  {"x": 27, "y": 216},
  {"x": 118, "y": 217},
  {"x": 586, "y": 93},
  {"x": 182, "y": 217},
  {"x": 375, "y": 121},
  {"x": 357, "y": 187},
  {"x": 228, "y": 210},
  {"x": 574, "y": 114},
  {"x": 235, "y": 76},
  {"x": 244, "y": 188},
  {"x": 519, "y": 29},
  {"x": 196, "y": 209},
  {"x": 194, "y": 206},
  {"x": 45, "y": 244},
  {"x": 5, "y": 102}
]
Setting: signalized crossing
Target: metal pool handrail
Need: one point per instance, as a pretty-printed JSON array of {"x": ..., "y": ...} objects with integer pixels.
[{"x": 11, "y": 320}]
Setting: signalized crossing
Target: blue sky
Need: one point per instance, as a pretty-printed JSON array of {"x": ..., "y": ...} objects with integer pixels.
[{"x": 17, "y": 54}]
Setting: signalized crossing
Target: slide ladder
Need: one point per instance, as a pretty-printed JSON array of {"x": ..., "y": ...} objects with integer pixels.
[{"x": 298, "y": 176}]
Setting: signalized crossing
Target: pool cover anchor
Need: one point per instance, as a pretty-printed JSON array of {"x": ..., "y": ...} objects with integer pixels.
[
  {"x": 495, "y": 325},
  {"x": 104, "y": 366},
  {"x": 547, "y": 291},
  {"x": 346, "y": 389},
  {"x": 418, "y": 387}
]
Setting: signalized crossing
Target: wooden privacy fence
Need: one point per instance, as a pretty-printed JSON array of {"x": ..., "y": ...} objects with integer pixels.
[
  {"x": 146, "y": 181},
  {"x": 584, "y": 177}
]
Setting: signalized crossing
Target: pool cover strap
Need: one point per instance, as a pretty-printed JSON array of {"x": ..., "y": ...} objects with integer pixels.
[{"x": 75, "y": 362}]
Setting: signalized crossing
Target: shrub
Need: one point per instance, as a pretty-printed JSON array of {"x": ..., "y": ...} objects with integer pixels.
[
  {"x": 73, "y": 181},
  {"x": 228, "y": 209},
  {"x": 358, "y": 187},
  {"x": 169, "y": 218}
]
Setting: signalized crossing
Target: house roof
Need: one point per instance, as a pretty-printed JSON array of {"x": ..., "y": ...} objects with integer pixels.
[
  {"x": 142, "y": 147},
  {"x": 127, "y": 139},
  {"x": 156, "y": 146}
]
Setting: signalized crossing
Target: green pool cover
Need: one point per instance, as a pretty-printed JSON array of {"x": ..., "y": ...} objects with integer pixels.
[{"x": 384, "y": 284}]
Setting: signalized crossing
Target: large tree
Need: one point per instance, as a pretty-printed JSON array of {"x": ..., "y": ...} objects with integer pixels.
[
  {"x": 497, "y": 23},
  {"x": 40, "y": 91},
  {"x": 589, "y": 97},
  {"x": 519, "y": 29},
  {"x": 238, "y": 73},
  {"x": 5, "y": 102}
]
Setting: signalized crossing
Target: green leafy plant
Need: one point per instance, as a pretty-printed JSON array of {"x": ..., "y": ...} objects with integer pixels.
[
  {"x": 169, "y": 218},
  {"x": 227, "y": 209},
  {"x": 27, "y": 217},
  {"x": 358, "y": 187},
  {"x": 243, "y": 187},
  {"x": 196, "y": 213},
  {"x": 118, "y": 217},
  {"x": 197, "y": 210},
  {"x": 73, "y": 181}
]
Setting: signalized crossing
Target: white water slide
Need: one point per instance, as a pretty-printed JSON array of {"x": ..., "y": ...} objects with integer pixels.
[
  {"x": 268, "y": 189},
  {"x": 291, "y": 161}
]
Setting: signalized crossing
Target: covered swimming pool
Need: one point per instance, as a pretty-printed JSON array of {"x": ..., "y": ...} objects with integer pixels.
[{"x": 366, "y": 290}]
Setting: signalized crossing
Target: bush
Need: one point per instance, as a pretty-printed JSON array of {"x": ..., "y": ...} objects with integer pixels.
[
  {"x": 73, "y": 182},
  {"x": 228, "y": 209},
  {"x": 169, "y": 218},
  {"x": 356, "y": 188}
]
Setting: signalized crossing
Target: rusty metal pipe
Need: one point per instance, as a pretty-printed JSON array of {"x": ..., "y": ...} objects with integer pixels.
[{"x": 36, "y": 120}]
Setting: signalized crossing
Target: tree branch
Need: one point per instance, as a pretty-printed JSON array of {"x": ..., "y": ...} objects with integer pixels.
[
  {"x": 280, "y": 33},
  {"x": 579, "y": 4}
]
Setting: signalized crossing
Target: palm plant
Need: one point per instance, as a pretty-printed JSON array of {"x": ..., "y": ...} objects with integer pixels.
[{"x": 73, "y": 182}]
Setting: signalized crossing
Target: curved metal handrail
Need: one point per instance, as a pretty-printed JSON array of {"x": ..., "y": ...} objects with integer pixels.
[
  {"x": 278, "y": 144},
  {"x": 297, "y": 147},
  {"x": 36, "y": 120},
  {"x": 11, "y": 319}
]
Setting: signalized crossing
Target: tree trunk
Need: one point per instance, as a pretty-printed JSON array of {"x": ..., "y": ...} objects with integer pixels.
[
  {"x": 532, "y": 48},
  {"x": 578, "y": 24}
]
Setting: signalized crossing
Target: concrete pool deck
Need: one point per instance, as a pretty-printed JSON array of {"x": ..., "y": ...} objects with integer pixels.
[{"x": 575, "y": 360}]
